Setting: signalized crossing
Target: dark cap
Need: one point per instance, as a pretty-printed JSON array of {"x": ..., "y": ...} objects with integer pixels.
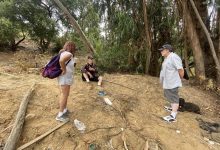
[
  {"x": 90, "y": 57},
  {"x": 166, "y": 46}
]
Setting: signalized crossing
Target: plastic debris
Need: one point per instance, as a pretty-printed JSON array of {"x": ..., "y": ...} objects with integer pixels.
[
  {"x": 107, "y": 101},
  {"x": 101, "y": 93},
  {"x": 79, "y": 125},
  {"x": 177, "y": 131}
]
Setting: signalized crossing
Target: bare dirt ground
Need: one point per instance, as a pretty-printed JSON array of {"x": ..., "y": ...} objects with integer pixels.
[{"x": 137, "y": 111}]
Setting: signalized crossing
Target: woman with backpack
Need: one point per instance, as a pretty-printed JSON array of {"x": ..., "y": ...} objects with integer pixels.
[{"x": 65, "y": 80}]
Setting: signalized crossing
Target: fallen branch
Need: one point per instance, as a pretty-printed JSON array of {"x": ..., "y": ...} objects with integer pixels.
[
  {"x": 7, "y": 128},
  {"x": 124, "y": 140},
  {"x": 7, "y": 74},
  {"x": 19, "y": 121},
  {"x": 42, "y": 136},
  {"x": 104, "y": 128},
  {"x": 120, "y": 85}
]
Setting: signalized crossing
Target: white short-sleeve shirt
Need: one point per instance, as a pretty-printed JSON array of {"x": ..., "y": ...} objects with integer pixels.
[{"x": 169, "y": 75}]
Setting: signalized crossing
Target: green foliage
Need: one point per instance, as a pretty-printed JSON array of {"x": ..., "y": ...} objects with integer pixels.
[
  {"x": 10, "y": 26},
  {"x": 26, "y": 16},
  {"x": 7, "y": 30},
  {"x": 112, "y": 59},
  {"x": 40, "y": 26}
]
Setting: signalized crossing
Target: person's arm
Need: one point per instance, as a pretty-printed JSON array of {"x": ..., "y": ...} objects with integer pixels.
[
  {"x": 178, "y": 65},
  {"x": 63, "y": 60},
  {"x": 84, "y": 69},
  {"x": 181, "y": 73},
  {"x": 92, "y": 68}
]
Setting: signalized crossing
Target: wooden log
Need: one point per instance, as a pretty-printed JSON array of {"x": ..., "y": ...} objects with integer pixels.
[
  {"x": 19, "y": 121},
  {"x": 41, "y": 137}
]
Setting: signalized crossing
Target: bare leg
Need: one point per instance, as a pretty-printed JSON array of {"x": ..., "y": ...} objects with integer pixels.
[
  {"x": 100, "y": 80},
  {"x": 65, "y": 89},
  {"x": 86, "y": 77},
  {"x": 175, "y": 107}
]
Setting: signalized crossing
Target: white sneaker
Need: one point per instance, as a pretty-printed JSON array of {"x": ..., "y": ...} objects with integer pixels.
[
  {"x": 169, "y": 118},
  {"x": 66, "y": 113},
  {"x": 62, "y": 118}
]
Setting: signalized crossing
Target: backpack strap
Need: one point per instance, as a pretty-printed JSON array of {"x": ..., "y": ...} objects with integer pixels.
[{"x": 68, "y": 61}]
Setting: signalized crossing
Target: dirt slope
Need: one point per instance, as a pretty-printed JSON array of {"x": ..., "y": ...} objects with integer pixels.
[{"x": 137, "y": 111}]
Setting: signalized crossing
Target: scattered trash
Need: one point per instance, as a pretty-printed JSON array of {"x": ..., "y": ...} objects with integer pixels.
[
  {"x": 206, "y": 139},
  {"x": 107, "y": 101},
  {"x": 101, "y": 93},
  {"x": 211, "y": 142},
  {"x": 177, "y": 131},
  {"x": 79, "y": 125},
  {"x": 92, "y": 147}
]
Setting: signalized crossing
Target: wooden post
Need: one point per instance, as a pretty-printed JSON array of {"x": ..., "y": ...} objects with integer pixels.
[{"x": 18, "y": 125}]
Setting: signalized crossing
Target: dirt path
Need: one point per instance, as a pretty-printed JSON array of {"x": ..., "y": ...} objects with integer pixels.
[{"x": 137, "y": 111}]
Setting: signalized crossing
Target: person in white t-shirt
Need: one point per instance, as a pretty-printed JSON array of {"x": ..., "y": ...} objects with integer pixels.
[
  {"x": 170, "y": 77},
  {"x": 65, "y": 80}
]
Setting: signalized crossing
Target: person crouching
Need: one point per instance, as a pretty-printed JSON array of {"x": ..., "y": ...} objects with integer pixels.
[{"x": 90, "y": 72}]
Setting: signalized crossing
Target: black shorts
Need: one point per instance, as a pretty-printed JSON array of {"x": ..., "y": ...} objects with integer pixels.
[{"x": 95, "y": 78}]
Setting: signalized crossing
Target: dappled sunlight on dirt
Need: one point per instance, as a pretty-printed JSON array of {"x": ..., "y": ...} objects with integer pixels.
[{"x": 137, "y": 107}]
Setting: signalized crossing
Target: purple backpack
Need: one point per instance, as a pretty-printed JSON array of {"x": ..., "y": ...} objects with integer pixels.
[{"x": 52, "y": 68}]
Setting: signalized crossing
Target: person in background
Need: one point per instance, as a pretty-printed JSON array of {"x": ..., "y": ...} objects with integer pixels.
[
  {"x": 170, "y": 77},
  {"x": 65, "y": 80},
  {"x": 90, "y": 72}
]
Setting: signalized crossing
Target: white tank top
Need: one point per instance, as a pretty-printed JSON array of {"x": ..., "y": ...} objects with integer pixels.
[{"x": 70, "y": 65}]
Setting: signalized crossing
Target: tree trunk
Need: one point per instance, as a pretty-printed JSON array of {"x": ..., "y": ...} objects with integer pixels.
[
  {"x": 148, "y": 37},
  {"x": 186, "y": 61},
  {"x": 202, "y": 8},
  {"x": 75, "y": 25},
  {"x": 218, "y": 74},
  {"x": 194, "y": 42},
  {"x": 14, "y": 45},
  {"x": 208, "y": 36},
  {"x": 18, "y": 125}
]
